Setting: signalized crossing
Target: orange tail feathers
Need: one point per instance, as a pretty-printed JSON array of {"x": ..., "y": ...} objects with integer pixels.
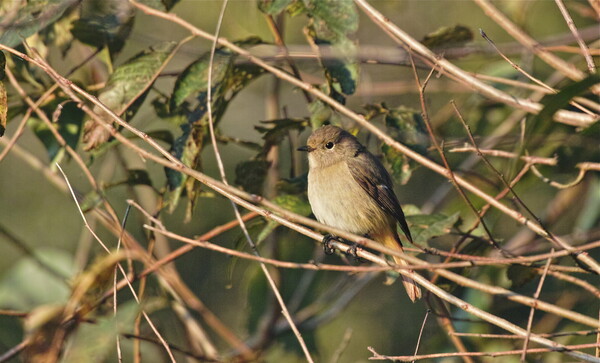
[{"x": 412, "y": 289}]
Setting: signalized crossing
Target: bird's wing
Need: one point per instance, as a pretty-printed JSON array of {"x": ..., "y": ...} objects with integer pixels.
[{"x": 378, "y": 184}]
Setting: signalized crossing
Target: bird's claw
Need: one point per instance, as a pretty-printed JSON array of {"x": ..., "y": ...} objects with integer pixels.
[
  {"x": 353, "y": 251},
  {"x": 327, "y": 247}
]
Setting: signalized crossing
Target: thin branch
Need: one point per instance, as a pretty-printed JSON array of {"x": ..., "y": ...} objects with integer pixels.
[
  {"x": 584, "y": 49},
  {"x": 583, "y": 169},
  {"x": 238, "y": 215},
  {"x": 507, "y": 154},
  {"x": 421, "y": 332},
  {"x": 152, "y": 326},
  {"x": 536, "y": 296},
  {"x": 558, "y": 242},
  {"x": 530, "y": 77},
  {"x": 408, "y": 358},
  {"x": 404, "y": 39},
  {"x": 221, "y": 188},
  {"x": 531, "y": 44}
]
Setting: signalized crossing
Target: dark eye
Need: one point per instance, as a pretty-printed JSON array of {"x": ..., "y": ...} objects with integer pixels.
[{"x": 329, "y": 145}]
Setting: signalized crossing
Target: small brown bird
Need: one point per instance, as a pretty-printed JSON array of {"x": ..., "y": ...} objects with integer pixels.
[{"x": 349, "y": 189}]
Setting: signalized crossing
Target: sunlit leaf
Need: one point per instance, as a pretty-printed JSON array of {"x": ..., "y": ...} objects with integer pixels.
[
  {"x": 398, "y": 164},
  {"x": 104, "y": 23},
  {"x": 227, "y": 80},
  {"x": 91, "y": 284},
  {"x": 273, "y": 7},
  {"x": 321, "y": 113},
  {"x": 424, "y": 227},
  {"x": 294, "y": 203},
  {"x": 127, "y": 88},
  {"x": 333, "y": 19},
  {"x": 405, "y": 125},
  {"x": 194, "y": 79},
  {"x": 31, "y": 17},
  {"x": 448, "y": 36},
  {"x": 332, "y": 22}
]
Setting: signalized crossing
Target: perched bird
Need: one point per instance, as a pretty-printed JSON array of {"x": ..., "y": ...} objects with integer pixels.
[{"x": 349, "y": 189}]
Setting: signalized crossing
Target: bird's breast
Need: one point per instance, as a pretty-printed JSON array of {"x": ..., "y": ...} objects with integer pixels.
[{"x": 339, "y": 201}]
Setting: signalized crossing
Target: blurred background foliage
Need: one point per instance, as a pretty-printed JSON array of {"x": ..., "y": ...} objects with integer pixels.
[{"x": 150, "y": 72}]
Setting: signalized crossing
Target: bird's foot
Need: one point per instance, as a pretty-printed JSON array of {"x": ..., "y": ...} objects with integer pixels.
[
  {"x": 353, "y": 251},
  {"x": 327, "y": 247}
]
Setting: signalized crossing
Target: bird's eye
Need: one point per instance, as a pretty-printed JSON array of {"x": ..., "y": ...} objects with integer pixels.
[{"x": 329, "y": 145}]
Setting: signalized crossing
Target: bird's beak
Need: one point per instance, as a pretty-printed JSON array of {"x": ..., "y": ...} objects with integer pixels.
[{"x": 305, "y": 148}]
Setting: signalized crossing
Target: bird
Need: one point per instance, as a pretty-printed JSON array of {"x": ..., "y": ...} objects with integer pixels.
[{"x": 350, "y": 189}]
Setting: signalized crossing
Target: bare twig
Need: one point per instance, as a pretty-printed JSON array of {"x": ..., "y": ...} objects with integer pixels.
[
  {"x": 583, "y": 169},
  {"x": 507, "y": 154},
  {"x": 408, "y": 358},
  {"x": 529, "y": 76},
  {"x": 421, "y": 332},
  {"x": 536, "y": 296},
  {"x": 152, "y": 326},
  {"x": 586, "y": 259},
  {"x": 571, "y": 118},
  {"x": 584, "y": 49},
  {"x": 566, "y": 68},
  {"x": 238, "y": 215}
]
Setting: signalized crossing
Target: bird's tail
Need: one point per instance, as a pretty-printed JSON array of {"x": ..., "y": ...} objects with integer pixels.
[{"x": 412, "y": 289}]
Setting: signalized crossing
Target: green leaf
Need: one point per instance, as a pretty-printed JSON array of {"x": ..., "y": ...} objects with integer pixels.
[
  {"x": 273, "y": 7},
  {"x": 520, "y": 275},
  {"x": 104, "y": 23},
  {"x": 127, "y": 88},
  {"x": 448, "y": 36},
  {"x": 91, "y": 200},
  {"x": 162, "y": 135},
  {"x": 30, "y": 18},
  {"x": 278, "y": 129},
  {"x": 590, "y": 213},
  {"x": 27, "y": 285},
  {"x": 227, "y": 80},
  {"x": 424, "y": 227},
  {"x": 333, "y": 19},
  {"x": 94, "y": 342},
  {"x": 194, "y": 79},
  {"x": 138, "y": 177},
  {"x": 554, "y": 102},
  {"x": 68, "y": 125},
  {"x": 400, "y": 165},
  {"x": 251, "y": 174},
  {"x": 405, "y": 125},
  {"x": 321, "y": 113},
  {"x": 131, "y": 80},
  {"x": 294, "y": 203},
  {"x": 258, "y": 293}
]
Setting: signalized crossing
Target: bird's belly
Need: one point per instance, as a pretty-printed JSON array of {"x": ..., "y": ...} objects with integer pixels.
[{"x": 340, "y": 202}]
